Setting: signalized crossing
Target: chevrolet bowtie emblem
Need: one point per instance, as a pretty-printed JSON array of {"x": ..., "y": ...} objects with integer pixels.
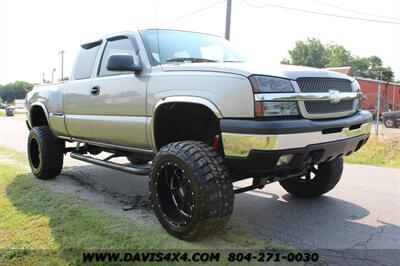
[{"x": 334, "y": 96}]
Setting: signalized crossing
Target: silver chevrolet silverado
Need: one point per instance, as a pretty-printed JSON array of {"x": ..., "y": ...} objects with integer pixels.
[{"x": 189, "y": 111}]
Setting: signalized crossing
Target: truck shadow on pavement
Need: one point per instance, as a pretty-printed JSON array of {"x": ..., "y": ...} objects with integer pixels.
[
  {"x": 324, "y": 222},
  {"x": 340, "y": 230},
  {"x": 336, "y": 227}
]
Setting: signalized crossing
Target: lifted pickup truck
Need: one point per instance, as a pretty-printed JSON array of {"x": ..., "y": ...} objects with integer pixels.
[{"x": 186, "y": 109}]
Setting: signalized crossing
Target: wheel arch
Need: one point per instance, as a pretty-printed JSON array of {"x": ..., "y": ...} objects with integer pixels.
[
  {"x": 172, "y": 100},
  {"x": 38, "y": 115}
]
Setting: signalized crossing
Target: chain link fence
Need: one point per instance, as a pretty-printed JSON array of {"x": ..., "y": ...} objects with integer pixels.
[{"x": 384, "y": 104}]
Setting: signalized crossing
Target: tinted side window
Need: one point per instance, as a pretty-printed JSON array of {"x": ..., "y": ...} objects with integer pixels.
[
  {"x": 85, "y": 63},
  {"x": 117, "y": 47}
]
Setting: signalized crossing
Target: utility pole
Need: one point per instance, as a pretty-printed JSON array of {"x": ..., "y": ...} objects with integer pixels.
[
  {"x": 52, "y": 75},
  {"x": 228, "y": 19},
  {"x": 43, "y": 80},
  {"x": 62, "y": 64},
  {"x": 378, "y": 109}
]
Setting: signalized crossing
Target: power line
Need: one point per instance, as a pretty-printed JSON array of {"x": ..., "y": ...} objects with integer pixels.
[
  {"x": 192, "y": 13},
  {"x": 321, "y": 13},
  {"x": 354, "y": 11}
]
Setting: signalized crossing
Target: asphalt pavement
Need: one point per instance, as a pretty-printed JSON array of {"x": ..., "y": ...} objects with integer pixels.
[{"x": 362, "y": 214}]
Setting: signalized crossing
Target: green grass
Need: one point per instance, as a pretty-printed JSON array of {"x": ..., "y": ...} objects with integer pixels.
[
  {"x": 377, "y": 152},
  {"x": 41, "y": 226},
  {"x": 2, "y": 112},
  {"x": 14, "y": 157}
]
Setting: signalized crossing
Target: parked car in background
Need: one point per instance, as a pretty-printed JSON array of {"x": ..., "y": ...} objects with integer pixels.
[{"x": 391, "y": 119}]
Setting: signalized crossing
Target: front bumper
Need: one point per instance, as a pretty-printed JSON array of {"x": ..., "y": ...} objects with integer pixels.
[{"x": 255, "y": 146}]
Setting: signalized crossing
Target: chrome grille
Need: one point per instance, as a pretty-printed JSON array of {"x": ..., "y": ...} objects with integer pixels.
[
  {"x": 324, "y": 85},
  {"x": 329, "y": 108},
  {"x": 323, "y": 109}
]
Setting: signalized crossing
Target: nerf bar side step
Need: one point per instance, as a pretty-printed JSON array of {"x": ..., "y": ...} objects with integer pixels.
[{"x": 111, "y": 165}]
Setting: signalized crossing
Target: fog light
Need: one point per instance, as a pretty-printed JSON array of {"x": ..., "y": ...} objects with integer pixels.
[{"x": 284, "y": 160}]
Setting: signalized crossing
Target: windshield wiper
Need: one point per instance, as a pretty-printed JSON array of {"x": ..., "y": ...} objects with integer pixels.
[{"x": 191, "y": 59}]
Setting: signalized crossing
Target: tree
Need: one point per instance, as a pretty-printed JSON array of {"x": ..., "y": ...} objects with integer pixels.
[
  {"x": 16, "y": 90},
  {"x": 308, "y": 53},
  {"x": 371, "y": 67},
  {"x": 315, "y": 54},
  {"x": 338, "y": 56},
  {"x": 285, "y": 61}
]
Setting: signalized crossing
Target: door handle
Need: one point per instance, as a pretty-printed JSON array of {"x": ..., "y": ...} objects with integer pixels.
[{"x": 95, "y": 91}]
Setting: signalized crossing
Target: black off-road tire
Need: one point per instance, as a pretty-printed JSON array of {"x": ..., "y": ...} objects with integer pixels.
[
  {"x": 326, "y": 178},
  {"x": 389, "y": 123},
  {"x": 45, "y": 153},
  {"x": 211, "y": 186},
  {"x": 134, "y": 160}
]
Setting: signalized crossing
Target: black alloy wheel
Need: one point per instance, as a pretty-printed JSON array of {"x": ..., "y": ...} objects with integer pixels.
[
  {"x": 45, "y": 153},
  {"x": 318, "y": 180},
  {"x": 34, "y": 153},
  {"x": 175, "y": 192},
  {"x": 191, "y": 190},
  {"x": 310, "y": 174}
]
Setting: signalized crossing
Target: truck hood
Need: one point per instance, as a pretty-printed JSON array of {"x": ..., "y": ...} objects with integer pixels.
[{"x": 248, "y": 69}]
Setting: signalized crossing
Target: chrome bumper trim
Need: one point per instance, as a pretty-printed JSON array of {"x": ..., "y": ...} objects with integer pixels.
[
  {"x": 332, "y": 96},
  {"x": 240, "y": 145}
]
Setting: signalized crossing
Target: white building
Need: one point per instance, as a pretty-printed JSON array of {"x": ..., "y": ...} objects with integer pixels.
[{"x": 19, "y": 103}]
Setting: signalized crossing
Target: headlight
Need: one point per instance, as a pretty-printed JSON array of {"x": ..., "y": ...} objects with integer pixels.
[
  {"x": 356, "y": 86},
  {"x": 359, "y": 104},
  {"x": 275, "y": 109},
  {"x": 265, "y": 84}
]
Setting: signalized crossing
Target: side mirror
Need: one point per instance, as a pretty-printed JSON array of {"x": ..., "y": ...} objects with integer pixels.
[{"x": 122, "y": 63}]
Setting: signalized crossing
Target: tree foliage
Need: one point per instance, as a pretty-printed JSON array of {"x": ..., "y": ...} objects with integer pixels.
[
  {"x": 314, "y": 53},
  {"x": 309, "y": 53},
  {"x": 16, "y": 90},
  {"x": 337, "y": 55}
]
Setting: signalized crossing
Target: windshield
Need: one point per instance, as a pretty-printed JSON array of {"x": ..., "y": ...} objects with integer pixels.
[{"x": 182, "y": 46}]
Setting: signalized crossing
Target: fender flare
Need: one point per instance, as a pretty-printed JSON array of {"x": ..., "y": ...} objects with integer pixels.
[
  {"x": 41, "y": 105},
  {"x": 180, "y": 99}
]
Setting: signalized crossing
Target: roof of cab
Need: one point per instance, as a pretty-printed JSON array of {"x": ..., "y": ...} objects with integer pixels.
[{"x": 93, "y": 43}]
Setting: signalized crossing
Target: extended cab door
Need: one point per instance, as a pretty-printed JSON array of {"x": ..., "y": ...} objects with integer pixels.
[
  {"x": 118, "y": 108},
  {"x": 77, "y": 94}
]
